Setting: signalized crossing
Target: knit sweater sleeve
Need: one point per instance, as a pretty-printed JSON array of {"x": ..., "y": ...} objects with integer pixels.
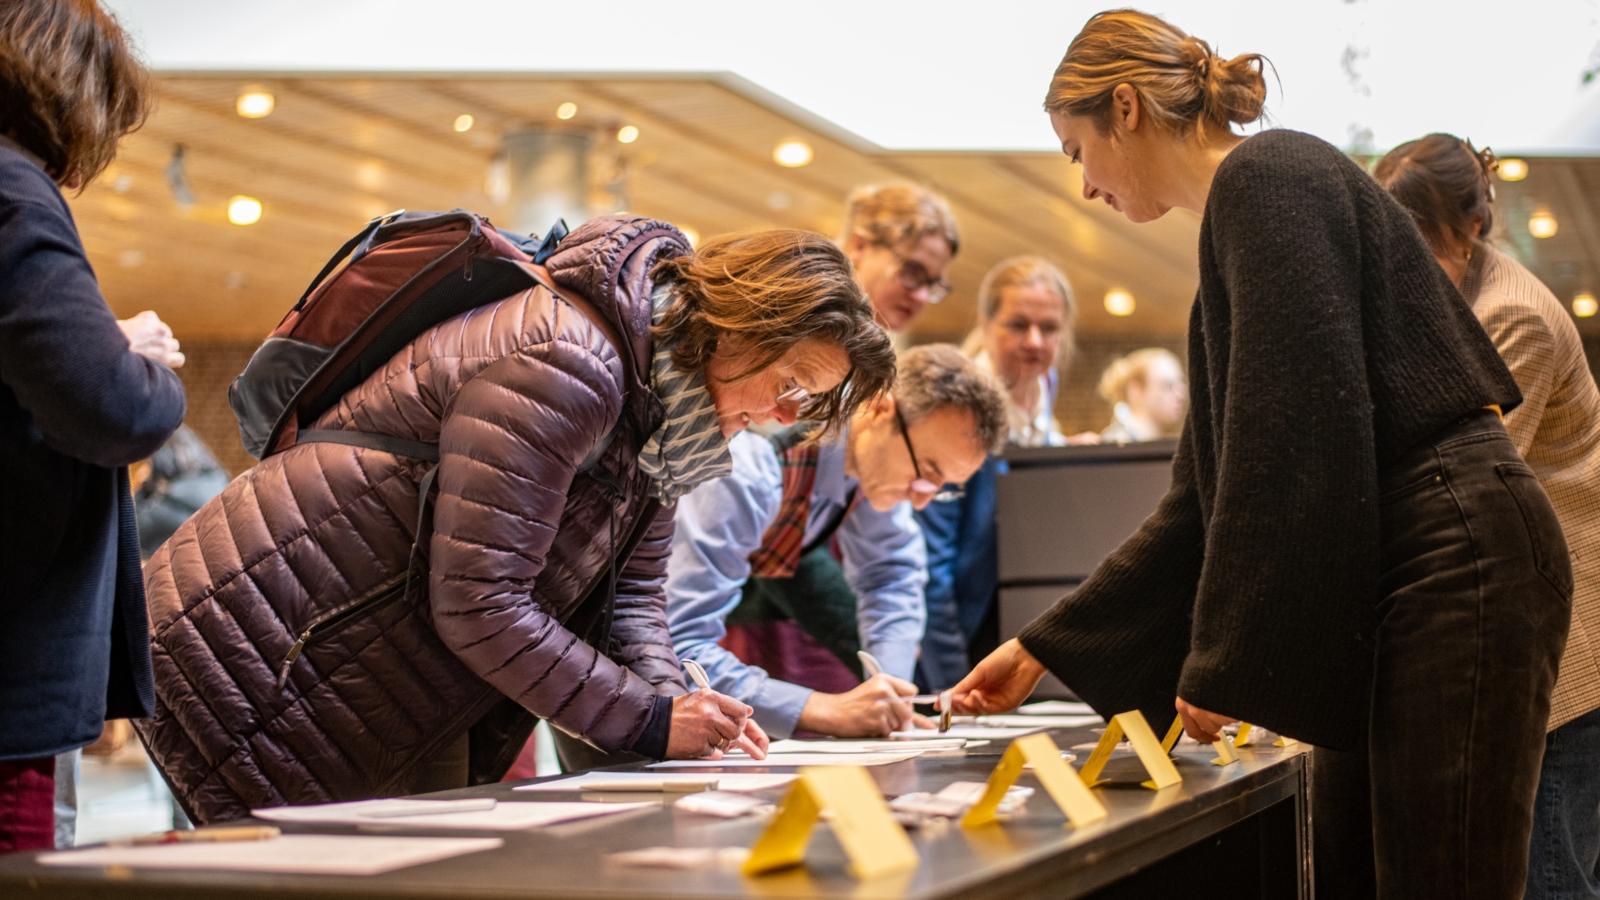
[
  {"x": 1119, "y": 639},
  {"x": 1292, "y": 532}
]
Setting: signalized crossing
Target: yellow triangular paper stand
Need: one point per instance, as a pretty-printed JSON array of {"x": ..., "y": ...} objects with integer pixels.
[
  {"x": 1173, "y": 733},
  {"x": 1065, "y": 788},
  {"x": 1225, "y": 754},
  {"x": 1243, "y": 737},
  {"x": 871, "y": 838},
  {"x": 1160, "y": 768}
]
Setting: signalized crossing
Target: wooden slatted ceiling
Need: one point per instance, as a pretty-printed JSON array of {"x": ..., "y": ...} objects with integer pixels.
[{"x": 337, "y": 151}]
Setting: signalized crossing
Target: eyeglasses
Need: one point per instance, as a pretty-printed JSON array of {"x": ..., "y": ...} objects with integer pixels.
[
  {"x": 914, "y": 276},
  {"x": 922, "y": 485},
  {"x": 794, "y": 393}
]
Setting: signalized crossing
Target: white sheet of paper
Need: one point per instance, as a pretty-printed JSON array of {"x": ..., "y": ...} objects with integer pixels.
[
  {"x": 786, "y": 760},
  {"x": 1014, "y": 720},
  {"x": 303, "y": 854},
  {"x": 1056, "y": 708},
  {"x": 791, "y": 745},
  {"x": 969, "y": 732},
  {"x": 504, "y": 816},
  {"x": 727, "y": 781}
]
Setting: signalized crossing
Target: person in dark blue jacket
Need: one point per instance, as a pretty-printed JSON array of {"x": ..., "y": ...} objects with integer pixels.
[{"x": 81, "y": 397}]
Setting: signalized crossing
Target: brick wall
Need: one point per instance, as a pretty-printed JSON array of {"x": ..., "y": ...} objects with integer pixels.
[
  {"x": 208, "y": 369},
  {"x": 1079, "y": 407}
]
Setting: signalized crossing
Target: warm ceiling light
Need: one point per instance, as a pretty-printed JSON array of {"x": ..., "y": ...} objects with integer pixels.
[
  {"x": 1119, "y": 302},
  {"x": 1542, "y": 225},
  {"x": 464, "y": 122},
  {"x": 255, "y": 103},
  {"x": 792, "y": 154},
  {"x": 566, "y": 110},
  {"x": 1512, "y": 169},
  {"x": 689, "y": 233},
  {"x": 244, "y": 210},
  {"x": 627, "y": 134},
  {"x": 1585, "y": 305}
]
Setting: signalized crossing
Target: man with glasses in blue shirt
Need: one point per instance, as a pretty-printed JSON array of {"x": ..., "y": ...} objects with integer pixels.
[{"x": 768, "y": 526}]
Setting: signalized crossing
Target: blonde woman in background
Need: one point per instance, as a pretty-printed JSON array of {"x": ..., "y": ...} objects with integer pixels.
[
  {"x": 900, "y": 239},
  {"x": 1149, "y": 396},
  {"x": 1024, "y": 338}
]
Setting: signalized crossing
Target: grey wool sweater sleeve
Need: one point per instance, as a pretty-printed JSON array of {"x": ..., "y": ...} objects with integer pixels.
[{"x": 1323, "y": 342}]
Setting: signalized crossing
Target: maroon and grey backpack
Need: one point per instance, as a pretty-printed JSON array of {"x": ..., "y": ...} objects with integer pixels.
[{"x": 401, "y": 275}]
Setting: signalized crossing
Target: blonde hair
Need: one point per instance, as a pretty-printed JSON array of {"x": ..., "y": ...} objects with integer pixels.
[
  {"x": 1128, "y": 369},
  {"x": 1015, "y": 272},
  {"x": 897, "y": 215},
  {"x": 773, "y": 290},
  {"x": 1182, "y": 85}
]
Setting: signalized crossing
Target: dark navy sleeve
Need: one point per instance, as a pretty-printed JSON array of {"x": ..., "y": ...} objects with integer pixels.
[{"x": 61, "y": 352}]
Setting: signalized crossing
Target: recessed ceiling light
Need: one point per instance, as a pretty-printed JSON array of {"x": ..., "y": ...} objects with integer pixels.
[
  {"x": 1512, "y": 169},
  {"x": 255, "y": 103},
  {"x": 566, "y": 110},
  {"x": 1119, "y": 302},
  {"x": 244, "y": 210},
  {"x": 627, "y": 134},
  {"x": 792, "y": 154},
  {"x": 1542, "y": 225},
  {"x": 1585, "y": 305},
  {"x": 464, "y": 122}
]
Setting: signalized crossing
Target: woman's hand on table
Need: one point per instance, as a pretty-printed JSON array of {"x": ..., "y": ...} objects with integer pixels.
[
  {"x": 1000, "y": 682},
  {"x": 1202, "y": 725}
]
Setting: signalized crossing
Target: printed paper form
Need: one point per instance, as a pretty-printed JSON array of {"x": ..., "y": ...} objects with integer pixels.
[
  {"x": 786, "y": 760},
  {"x": 1056, "y": 708},
  {"x": 301, "y": 854},
  {"x": 967, "y": 732},
  {"x": 508, "y": 816},
  {"x": 726, "y": 781}
]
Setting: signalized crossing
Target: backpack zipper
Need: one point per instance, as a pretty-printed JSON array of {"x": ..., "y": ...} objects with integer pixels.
[{"x": 334, "y": 619}]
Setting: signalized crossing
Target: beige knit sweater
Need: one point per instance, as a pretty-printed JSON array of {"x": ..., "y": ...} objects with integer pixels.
[{"x": 1557, "y": 429}]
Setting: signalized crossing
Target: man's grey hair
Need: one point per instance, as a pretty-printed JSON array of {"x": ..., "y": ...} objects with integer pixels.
[{"x": 938, "y": 376}]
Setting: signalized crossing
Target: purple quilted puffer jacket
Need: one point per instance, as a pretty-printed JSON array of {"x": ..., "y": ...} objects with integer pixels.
[{"x": 292, "y": 666}]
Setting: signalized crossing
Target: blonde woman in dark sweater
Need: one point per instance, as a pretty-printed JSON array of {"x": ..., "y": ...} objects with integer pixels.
[
  {"x": 1445, "y": 184},
  {"x": 1351, "y": 552}
]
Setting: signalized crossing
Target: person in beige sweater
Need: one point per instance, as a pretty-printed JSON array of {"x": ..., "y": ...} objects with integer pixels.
[{"x": 1445, "y": 184}]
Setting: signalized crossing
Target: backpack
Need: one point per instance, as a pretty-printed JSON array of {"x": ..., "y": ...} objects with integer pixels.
[{"x": 401, "y": 275}]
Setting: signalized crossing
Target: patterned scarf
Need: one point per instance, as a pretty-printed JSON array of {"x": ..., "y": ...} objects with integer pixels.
[{"x": 689, "y": 447}]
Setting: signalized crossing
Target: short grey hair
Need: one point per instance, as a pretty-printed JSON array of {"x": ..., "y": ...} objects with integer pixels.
[{"x": 939, "y": 376}]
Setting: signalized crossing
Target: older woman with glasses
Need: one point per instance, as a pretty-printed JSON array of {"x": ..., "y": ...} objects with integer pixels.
[{"x": 759, "y": 532}]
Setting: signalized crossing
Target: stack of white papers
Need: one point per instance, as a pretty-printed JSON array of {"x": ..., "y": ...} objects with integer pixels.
[
  {"x": 791, "y": 745},
  {"x": 503, "y": 817},
  {"x": 966, "y": 732},
  {"x": 302, "y": 854},
  {"x": 1056, "y": 708},
  {"x": 1018, "y": 720},
  {"x": 654, "y": 781},
  {"x": 784, "y": 760}
]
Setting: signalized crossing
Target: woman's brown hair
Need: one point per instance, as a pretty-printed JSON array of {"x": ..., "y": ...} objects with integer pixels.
[
  {"x": 70, "y": 85},
  {"x": 1444, "y": 183},
  {"x": 1182, "y": 85},
  {"x": 771, "y": 290}
]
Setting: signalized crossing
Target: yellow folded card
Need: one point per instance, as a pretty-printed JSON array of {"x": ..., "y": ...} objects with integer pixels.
[
  {"x": 861, "y": 820},
  {"x": 1150, "y": 751},
  {"x": 1063, "y": 785}
]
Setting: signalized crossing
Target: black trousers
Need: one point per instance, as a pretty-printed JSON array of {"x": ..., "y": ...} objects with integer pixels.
[{"x": 1472, "y": 618}]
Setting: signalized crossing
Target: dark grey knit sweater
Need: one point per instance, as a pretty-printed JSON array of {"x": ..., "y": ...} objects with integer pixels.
[{"x": 1323, "y": 342}]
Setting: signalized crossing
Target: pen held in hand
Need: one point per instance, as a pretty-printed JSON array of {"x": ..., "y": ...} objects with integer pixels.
[{"x": 697, "y": 674}]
